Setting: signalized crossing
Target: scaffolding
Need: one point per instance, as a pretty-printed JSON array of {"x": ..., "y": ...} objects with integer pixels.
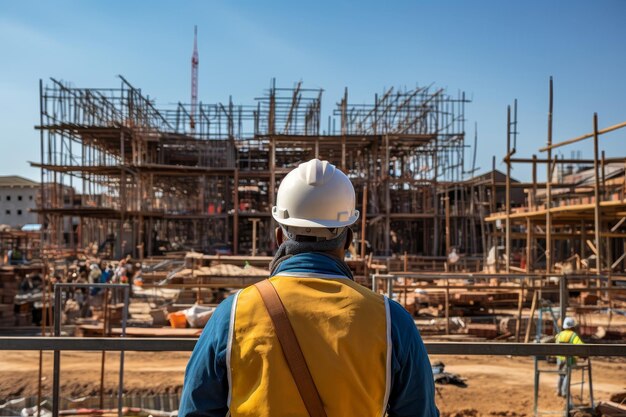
[
  {"x": 572, "y": 221},
  {"x": 121, "y": 176}
]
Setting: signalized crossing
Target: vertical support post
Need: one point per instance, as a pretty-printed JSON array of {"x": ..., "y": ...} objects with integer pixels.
[
  {"x": 609, "y": 295},
  {"x": 507, "y": 249},
  {"x": 198, "y": 281},
  {"x": 44, "y": 309},
  {"x": 532, "y": 203},
  {"x": 344, "y": 128},
  {"x": 495, "y": 240},
  {"x": 271, "y": 132},
  {"x": 120, "y": 389},
  {"x": 236, "y": 213},
  {"x": 603, "y": 171},
  {"x": 447, "y": 207},
  {"x": 405, "y": 279},
  {"x": 317, "y": 147},
  {"x": 447, "y": 306},
  {"x": 493, "y": 185},
  {"x": 520, "y": 301},
  {"x": 563, "y": 295},
  {"x": 536, "y": 387},
  {"x": 363, "y": 221},
  {"x": 548, "y": 187},
  {"x": 435, "y": 198},
  {"x": 42, "y": 192},
  {"x": 533, "y": 306},
  {"x": 272, "y": 168},
  {"x": 387, "y": 199},
  {"x": 122, "y": 196},
  {"x": 596, "y": 194},
  {"x": 255, "y": 224},
  {"x": 529, "y": 245},
  {"x": 568, "y": 393},
  {"x": 583, "y": 238},
  {"x": 56, "y": 371},
  {"x": 104, "y": 334},
  {"x": 593, "y": 405}
]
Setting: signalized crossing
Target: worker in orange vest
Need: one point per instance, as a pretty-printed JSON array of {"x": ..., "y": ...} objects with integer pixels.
[{"x": 310, "y": 341}]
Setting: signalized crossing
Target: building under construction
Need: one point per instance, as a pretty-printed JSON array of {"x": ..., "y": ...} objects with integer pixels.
[
  {"x": 121, "y": 176},
  {"x": 575, "y": 219}
]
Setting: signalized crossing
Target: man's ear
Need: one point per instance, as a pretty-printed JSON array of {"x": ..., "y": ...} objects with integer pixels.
[
  {"x": 346, "y": 245},
  {"x": 278, "y": 233}
]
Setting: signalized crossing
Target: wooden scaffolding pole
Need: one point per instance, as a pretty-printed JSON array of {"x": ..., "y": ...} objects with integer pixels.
[
  {"x": 507, "y": 209},
  {"x": 596, "y": 193},
  {"x": 548, "y": 188},
  {"x": 236, "y": 213},
  {"x": 363, "y": 221}
]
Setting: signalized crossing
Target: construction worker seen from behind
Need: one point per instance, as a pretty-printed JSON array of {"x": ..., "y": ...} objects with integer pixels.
[
  {"x": 309, "y": 341},
  {"x": 567, "y": 335}
]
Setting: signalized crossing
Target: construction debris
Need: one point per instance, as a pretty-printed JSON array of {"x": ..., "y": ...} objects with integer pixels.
[{"x": 446, "y": 378}]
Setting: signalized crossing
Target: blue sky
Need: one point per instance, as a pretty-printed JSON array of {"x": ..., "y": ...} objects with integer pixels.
[{"x": 495, "y": 51}]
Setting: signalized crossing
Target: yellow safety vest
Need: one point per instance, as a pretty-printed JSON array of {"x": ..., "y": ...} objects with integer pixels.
[
  {"x": 568, "y": 336},
  {"x": 345, "y": 336}
]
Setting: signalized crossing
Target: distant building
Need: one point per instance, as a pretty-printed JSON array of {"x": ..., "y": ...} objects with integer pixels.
[
  {"x": 18, "y": 200},
  {"x": 498, "y": 179}
]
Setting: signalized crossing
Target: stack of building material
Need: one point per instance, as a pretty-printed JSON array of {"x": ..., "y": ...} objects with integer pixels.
[
  {"x": 8, "y": 290},
  {"x": 471, "y": 298},
  {"x": 611, "y": 409},
  {"x": 589, "y": 299},
  {"x": 509, "y": 325},
  {"x": 486, "y": 330},
  {"x": 218, "y": 274},
  {"x": 140, "y": 314}
]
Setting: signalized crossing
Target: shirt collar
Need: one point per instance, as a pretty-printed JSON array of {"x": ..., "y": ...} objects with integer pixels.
[{"x": 315, "y": 263}]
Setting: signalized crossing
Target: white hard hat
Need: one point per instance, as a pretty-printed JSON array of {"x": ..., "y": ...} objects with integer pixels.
[
  {"x": 569, "y": 323},
  {"x": 315, "y": 199}
]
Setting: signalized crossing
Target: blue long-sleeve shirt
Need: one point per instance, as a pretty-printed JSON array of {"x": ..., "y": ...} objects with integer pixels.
[{"x": 205, "y": 390}]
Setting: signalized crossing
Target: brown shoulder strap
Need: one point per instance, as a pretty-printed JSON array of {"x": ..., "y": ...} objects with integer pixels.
[{"x": 291, "y": 349}]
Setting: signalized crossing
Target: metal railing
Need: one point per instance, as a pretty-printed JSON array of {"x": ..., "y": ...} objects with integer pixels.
[
  {"x": 58, "y": 344},
  {"x": 56, "y": 373},
  {"x": 150, "y": 344}
]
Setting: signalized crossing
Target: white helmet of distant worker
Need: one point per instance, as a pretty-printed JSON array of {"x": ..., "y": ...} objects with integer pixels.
[
  {"x": 569, "y": 323},
  {"x": 315, "y": 199}
]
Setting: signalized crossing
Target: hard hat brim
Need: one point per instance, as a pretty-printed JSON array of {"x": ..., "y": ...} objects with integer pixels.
[{"x": 328, "y": 224}]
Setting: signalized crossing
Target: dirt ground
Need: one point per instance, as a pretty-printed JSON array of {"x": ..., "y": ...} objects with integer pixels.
[
  {"x": 503, "y": 386},
  {"x": 497, "y": 386}
]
